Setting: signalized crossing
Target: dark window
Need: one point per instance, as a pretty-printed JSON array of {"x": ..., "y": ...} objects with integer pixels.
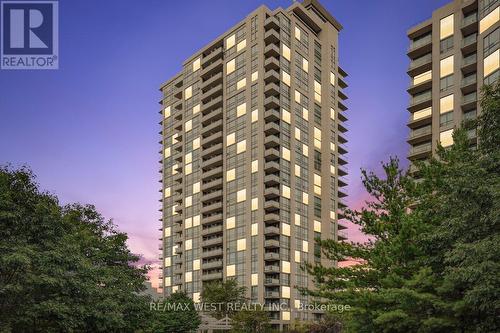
[
  {"x": 317, "y": 207},
  {"x": 317, "y": 160},
  {"x": 446, "y": 119},
  {"x": 317, "y": 114},
  {"x": 446, "y": 44},
  {"x": 491, "y": 42},
  {"x": 446, "y": 82}
]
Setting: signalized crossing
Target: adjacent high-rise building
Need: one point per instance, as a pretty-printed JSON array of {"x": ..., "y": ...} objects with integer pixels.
[
  {"x": 253, "y": 144},
  {"x": 452, "y": 55}
]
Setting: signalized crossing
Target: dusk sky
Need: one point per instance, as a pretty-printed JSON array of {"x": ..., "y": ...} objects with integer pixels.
[{"x": 89, "y": 130}]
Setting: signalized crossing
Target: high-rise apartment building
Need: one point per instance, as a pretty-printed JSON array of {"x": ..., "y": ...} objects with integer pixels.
[
  {"x": 452, "y": 55},
  {"x": 253, "y": 144}
]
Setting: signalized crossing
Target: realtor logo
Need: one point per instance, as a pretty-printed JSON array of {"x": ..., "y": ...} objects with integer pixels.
[{"x": 29, "y": 34}]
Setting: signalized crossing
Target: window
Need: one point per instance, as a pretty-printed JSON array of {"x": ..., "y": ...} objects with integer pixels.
[
  {"x": 446, "y": 67},
  {"x": 491, "y": 63},
  {"x": 196, "y": 64},
  {"x": 230, "y": 41},
  {"x": 317, "y": 114},
  {"x": 489, "y": 20},
  {"x": 317, "y": 160},
  {"x": 491, "y": 42},
  {"x": 285, "y": 52},
  {"x": 446, "y": 138},
  {"x": 446, "y": 104},
  {"x": 424, "y": 77},
  {"x": 446, "y": 83},
  {"x": 446, "y": 119},
  {"x": 446, "y": 45},
  {"x": 446, "y": 27},
  {"x": 317, "y": 207}
]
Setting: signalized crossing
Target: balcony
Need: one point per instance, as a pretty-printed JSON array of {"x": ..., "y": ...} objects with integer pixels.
[
  {"x": 420, "y": 46},
  {"x": 211, "y": 174},
  {"x": 212, "y": 56},
  {"x": 271, "y": 269},
  {"x": 272, "y": 180},
  {"x": 420, "y": 135},
  {"x": 211, "y": 276},
  {"x": 212, "y": 207},
  {"x": 211, "y": 69},
  {"x": 271, "y": 141},
  {"x": 419, "y": 151},
  {"x": 211, "y": 195},
  {"x": 272, "y": 76},
  {"x": 212, "y": 241},
  {"x": 272, "y": 89},
  {"x": 271, "y": 128},
  {"x": 212, "y": 81},
  {"x": 420, "y": 65},
  {"x": 212, "y": 162},
  {"x": 271, "y": 23},
  {"x": 272, "y": 294},
  {"x": 211, "y": 93},
  {"x": 271, "y": 166},
  {"x": 272, "y": 63},
  {"x": 212, "y": 253},
  {"x": 420, "y": 101},
  {"x": 271, "y": 36},
  {"x": 272, "y": 50},
  {"x": 272, "y": 231},
  {"x": 469, "y": 24},
  {"x": 469, "y": 64},
  {"x": 271, "y": 205},
  {"x": 215, "y": 125},
  {"x": 216, "y": 229},
  {"x": 469, "y": 43},
  {"x": 211, "y": 104},
  {"x": 469, "y": 84},
  {"x": 271, "y": 282},
  {"x": 212, "y": 264},
  {"x": 212, "y": 183},
  {"x": 469, "y": 101},
  {"x": 212, "y": 150},
  {"x": 211, "y": 219},
  {"x": 271, "y": 192},
  {"x": 271, "y": 102},
  {"x": 271, "y": 218},
  {"x": 211, "y": 139},
  {"x": 420, "y": 83},
  {"x": 271, "y": 243}
]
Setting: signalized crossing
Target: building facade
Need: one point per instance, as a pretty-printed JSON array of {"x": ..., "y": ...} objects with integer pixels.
[
  {"x": 451, "y": 56},
  {"x": 253, "y": 144}
]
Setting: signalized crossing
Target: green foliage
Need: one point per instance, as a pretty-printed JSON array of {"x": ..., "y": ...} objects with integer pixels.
[
  {"x": 63, "y": 269},
  {"x": 223, "y": 293},
  {"x": 181, "y": 317},
  {"x": 251, "y": 320},
  {"x": 434, "y": 267}
]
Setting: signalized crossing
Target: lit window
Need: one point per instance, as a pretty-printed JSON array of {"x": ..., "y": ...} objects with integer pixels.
[
  {"x": 285, "y": 292},
  {"x": 426, "y": 76},
  {"x": 332, "y": 78},
  {"x": 297, "y": 256},
  {"x": 166, "y": 153},
  {"x": 286, "y": 116},
  {"x": 332, "y": 146},
  {"x": 241, "y": 244},
  {"x": 241, "y": 195},
  {"x": 188, "y": 92},
  {"x": 255, "y": 115},
  {"x": 230, "y": 175},
  {"x": 188, "y": 158},
  {"x": 297, "y": 133},
  {"x": 189, "y": 244},
  {"x": 297, "y": 304},
  {"x": 189, "y": 201},
  {"x": 231, "y": 270},
  {"x": 317, "y": 180},
  {"x": 446, "y": 27},
  {"x": 285, "y": 191},
  {"x": 489, "y": 20},
  {"x": 285, "y": 267},
  {"x": 196, "y": 64},
  {"x": 196, "y": 220},
  {"x": 188, "y": 277},
  {"x": 230, "y": 41},
  {"x": 446, "y": 138},
  {"x": 196, "y": 187},
  {"x": 166, "y": 112},
  {"x": 241, "y": 83},
  {"x": 446, "y": 104},
  {"x": 255, "y": 166},
  {"x": 332, "y": 113},
  {"x": 230, "y": 139},
  {"x": 305, "y": 149},
  {"x": 305, "y": 113},
  {"x": 285, "y": 77},
  {"x": 446, "y": 67},
  {"x": 167, "y": 232},
  {"x": 297, "y": 170},
  {"x": 255, "y": 229},
  {"x": 305, "y": 198},
  {"x": 332, "y": 215},
  {"x": 305, "y": 65},
  {"x": 196, "y": 108},
  {"x": 241, "y": 146},
  {"x": 305, "y": 246},
  {"x": 285, "y": 315},
  {"x": 167, "y": 192},
  {"x": 241, "y": 109},
  {"x": 423, "y": 113},
  {"x": 285, "y": 229},
  {"x": 317, "y": 226},
  {"x": 332, "y": 169},
  {"x": 196, "y": 143},
  {"x": 189, "y": 125},
  {"x": 174, "y": 289},
  {"x": 189, "y": 169},
  {"x": 255, "y": 279},
  {"x": 230, "y": 66},
  {"x": 285, "y": 153},
  {"x": 286, "y": 52},
  {"x": 168, "y": 262},
  {"x": 297, "y": 219},
  {"x": 255, "y": 204},
  {"x": 168, "y": 281},
  {"x": 230, "y": 222},
  {"x": 255, "y": 76},
  {"x": 491, "y": 63},
  {"x": 297, "y": 33},
  {"x": 297, "y": 96},
  {"x": 196, "y": 297},
  {"x": 241, "y": 45}
]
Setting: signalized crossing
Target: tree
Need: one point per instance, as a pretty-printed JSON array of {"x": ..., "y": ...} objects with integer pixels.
[
  {"x": 434, "y": 267},
  {"x": 177, "y": 315},
  {"x": 251, "y": 320},
  {"x": 63, "y": 268},
  {"x": 224, "y": 295}
]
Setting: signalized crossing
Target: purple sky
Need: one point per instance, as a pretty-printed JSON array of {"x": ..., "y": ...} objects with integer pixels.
[{"x": 90, "y": 129}]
